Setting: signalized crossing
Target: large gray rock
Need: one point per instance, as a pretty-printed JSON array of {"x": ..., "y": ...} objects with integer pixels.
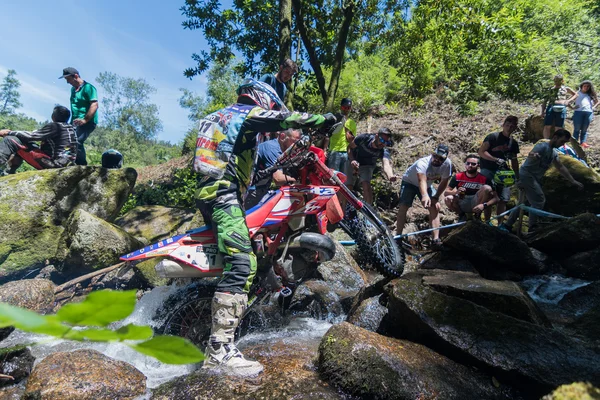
[
  {"x": 35, "y": 205},
  {"x": 581, "y": 312},
  {"x": 155, "y": 223},
  {"x": 505, "y": 297},
  {"x": 452, "y": 325},
  {"x": 85, "y": 375},
  {"x": 491, "y": 249},
  {"x": 584, "y": 265},
  {"x": 567, "y": 237},
  {"x": 89, "y": 242},
  {"x": 369, "y": 314},
  {"x": 371, "y": 366},
  {"x": 34, "y": 294},
  {"x": 15, "y": 363}
]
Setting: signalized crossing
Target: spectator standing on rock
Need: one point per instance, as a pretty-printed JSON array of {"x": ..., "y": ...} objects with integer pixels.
[
  {"x": 495, "y": 151},
  {"x": 58, "y": 144},
  {"x": 287, "y": 70},
  {"x": 541, "y": 157},
  {"x": 586, "y": 101},
  {"x": 84, "y": 109},
  {"x": 417, "y": 181},
  {"x": 554, "y": 108},
  {"x": 470, "y": 192},
  {"x": 363, "y": 154},
  {"x": 344, "y": 133}
]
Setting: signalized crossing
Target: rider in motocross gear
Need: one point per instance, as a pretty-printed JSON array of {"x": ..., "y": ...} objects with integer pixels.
[{"x": 225, "y": 157}]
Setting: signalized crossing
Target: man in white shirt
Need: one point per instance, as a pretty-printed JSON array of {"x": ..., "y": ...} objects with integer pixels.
[{"x": 417, "y": 181}]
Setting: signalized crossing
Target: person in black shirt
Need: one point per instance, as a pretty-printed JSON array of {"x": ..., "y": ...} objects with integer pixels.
[
  {"x": 58, "y": 144},
  {"x": 495, "y": 151}
]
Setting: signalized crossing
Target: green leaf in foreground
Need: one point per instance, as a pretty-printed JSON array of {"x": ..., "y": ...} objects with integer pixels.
[
  {"x": 170, "y": 350},
  {"x": 128, "y": 332},
  {"x": 30, "y": 321},
  {"x": 99, "y": 308}
]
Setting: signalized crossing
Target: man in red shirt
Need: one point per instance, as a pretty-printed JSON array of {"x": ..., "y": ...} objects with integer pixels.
[{"x": 469, "y": 191}]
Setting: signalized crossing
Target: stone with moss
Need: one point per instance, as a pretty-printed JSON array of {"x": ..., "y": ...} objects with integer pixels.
[
  {"x": 511, "y": 347},
  {"x": 372, "y": 366},
  {"x": 575, "y": 391},
  {"x": 146, "y": 272},
  {"x": 35, "y": 205},
  {"x": 90, "y": 243},
  {"x": 155, "y": 223}
]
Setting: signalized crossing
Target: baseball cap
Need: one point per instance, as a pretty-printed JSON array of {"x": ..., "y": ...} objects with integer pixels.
[
  {"x": 346, "y": 102},
  {"x": 442, "y": 151},
  {"x": 68, "y": 72}
]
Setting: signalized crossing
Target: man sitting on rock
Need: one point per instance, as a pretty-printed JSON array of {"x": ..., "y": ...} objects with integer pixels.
[
  {"x": 417, "y": 181},
  {"x": 470, "y": 192},
  {"x": 539, "y": 160},
  {"x": 58, "y": 145}
]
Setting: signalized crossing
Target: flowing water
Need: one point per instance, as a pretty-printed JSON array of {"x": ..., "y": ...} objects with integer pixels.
[
  {"x": 305, "y": 330},
  {"x": 550, "y": 288}
]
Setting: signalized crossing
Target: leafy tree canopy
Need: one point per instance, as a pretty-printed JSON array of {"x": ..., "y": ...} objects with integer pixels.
[{"x": 9, "y": 93}]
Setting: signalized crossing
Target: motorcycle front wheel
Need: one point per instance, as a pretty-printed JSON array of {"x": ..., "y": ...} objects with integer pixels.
[{"x": 375, "y": 242}]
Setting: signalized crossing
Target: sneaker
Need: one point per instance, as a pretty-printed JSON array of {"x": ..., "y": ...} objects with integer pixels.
[
  {"x": 436, "y": 244},
  {"x": 585, "y": 145}
]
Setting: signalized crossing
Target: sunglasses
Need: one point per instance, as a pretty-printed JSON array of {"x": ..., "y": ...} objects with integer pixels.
[
  {"x": 386, "y": 142},
  {"x": 471, "y": 163}
]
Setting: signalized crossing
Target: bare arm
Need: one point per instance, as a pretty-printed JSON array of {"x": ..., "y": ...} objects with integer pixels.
[
  {"x": 514, "y": 162},
  {"x": 281, "y": 179},
  {"x": 89, "y": 115},
  {"x": 388, "y": 170},
  {"x": 565, "y": 172},
  {"x": 483, "y": 152}
]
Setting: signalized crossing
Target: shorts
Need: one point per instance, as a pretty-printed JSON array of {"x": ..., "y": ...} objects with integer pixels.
[
  {"x": 365, "y": 173},
  {"x": 503, "y": 192},
  {"x": 338, "y": 160},
  {"x": 408, "y": 191},
  {"x": 467, "y": 203},
  {"x": 555, "y": 118}
]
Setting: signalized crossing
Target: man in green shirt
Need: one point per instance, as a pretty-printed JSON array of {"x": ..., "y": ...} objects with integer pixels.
[
  {"x": 341, "y": 137},
  {"x": 84, "y": 107}
]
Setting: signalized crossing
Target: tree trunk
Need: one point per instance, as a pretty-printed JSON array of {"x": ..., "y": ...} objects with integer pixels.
[
  {"x": 312, "y": 54},
  {"x": 340, "y": 52},
  {"x": 285, "y": 30}
]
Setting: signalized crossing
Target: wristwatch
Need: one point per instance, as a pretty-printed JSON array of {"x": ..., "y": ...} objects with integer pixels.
[{"x": 484, "y": 205}]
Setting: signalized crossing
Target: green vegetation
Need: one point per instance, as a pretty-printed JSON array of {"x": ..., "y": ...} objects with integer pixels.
[{"x": 89, "y": 321}]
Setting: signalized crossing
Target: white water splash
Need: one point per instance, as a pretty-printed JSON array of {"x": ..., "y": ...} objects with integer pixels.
[{"x": 551, "y": 288}]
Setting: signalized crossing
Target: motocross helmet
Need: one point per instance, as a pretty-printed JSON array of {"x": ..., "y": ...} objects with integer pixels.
[
  {"x": 112, "y": 159},
  {"x": 263, "y": 95},
  {"x": 505, "y": 177}
]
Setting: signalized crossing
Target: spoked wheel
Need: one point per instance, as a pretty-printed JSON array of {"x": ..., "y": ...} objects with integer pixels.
[
  {"x": 373, "y": 239},
  {"x": 188, "y": 314}
]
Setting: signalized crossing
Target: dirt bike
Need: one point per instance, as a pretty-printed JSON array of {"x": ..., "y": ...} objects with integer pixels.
[{"x": 288, "y": 232}]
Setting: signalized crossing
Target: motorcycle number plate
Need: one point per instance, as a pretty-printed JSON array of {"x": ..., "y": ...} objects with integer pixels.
[{"x": 207, "y": 256}]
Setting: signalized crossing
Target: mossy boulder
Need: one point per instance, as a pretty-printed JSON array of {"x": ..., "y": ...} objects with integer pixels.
[
  {"x": 372, "y": 366},
  {"x": 84, "y": 374},
  {"x": 89, "y": 243},
  {"x": 566, "y": 237},
  {"x": 574, "y": 391},
  {"x": 155, "y": 223},
  {"x": 33, "y": 294},
  {"x": 563, "y": 198},
  {"x": 35, "y": 205},
  {"x": 488, "y": 339},
  {"x": 490, "y": 249}
]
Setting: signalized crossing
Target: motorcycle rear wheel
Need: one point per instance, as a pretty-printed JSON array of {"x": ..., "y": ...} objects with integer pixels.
[
  {"x": 374, "y": 240},
  {"x": 188, "y": 313}
]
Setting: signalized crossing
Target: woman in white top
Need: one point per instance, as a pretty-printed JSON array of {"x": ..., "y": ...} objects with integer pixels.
[{"x": 586, "y": 101}]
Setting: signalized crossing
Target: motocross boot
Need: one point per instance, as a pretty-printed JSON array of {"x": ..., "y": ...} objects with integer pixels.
[{"x": 221, "y": 353}]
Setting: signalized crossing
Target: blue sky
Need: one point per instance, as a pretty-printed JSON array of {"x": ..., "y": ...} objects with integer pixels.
[{"x": 138, "y": 39}]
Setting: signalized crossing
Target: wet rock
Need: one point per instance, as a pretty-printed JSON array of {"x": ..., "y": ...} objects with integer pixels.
[
  {"x": 584, "y": 265},
  {"x": 84, "y": 374},
  {"x": 342, "y": 273},
  {"x": 368, "y": 314},
  {"x": 582, "y": 310},
  {"x": 36, "y": 204},
  {"x": 574, "y": 391},
  {"x": 16, "y": 363},
  {"x": 460, "y": 328},
  {"x": 289, "y": 374},
  {"x": 505, "y": 297},
  {"x": 317, "y": 299},
  {"x": 155, "y": 223},
  {"x": 34, "y": 294},
  {"x": 14, "y": 392},
  {"x": 562, "y": 198},
  {"x": 89, "y": 243},
  {"x": 490, "y": 249},
  {"x": 567, "y": 237},
  {"x": 447, "y": 260},
  {"x": 371, "y": 366}
]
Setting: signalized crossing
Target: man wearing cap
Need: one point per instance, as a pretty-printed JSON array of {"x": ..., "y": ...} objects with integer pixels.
[
  {"x": 417, "y": 181},
  {"x": 343, "y": 134},
  {"x": 287, "y": 70},
  {"x": 363, "y": 153},
  {"x": 495, "y": 151},
  {"x": 84, "y": 107}
]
